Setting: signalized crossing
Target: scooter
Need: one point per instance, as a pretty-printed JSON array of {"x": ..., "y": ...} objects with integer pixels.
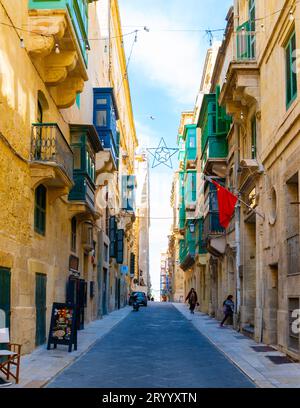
[{"x": 135, "y": 305}]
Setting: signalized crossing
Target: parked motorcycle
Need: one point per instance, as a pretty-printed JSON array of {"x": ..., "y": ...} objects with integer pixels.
[{"x": 135, "y": 304}]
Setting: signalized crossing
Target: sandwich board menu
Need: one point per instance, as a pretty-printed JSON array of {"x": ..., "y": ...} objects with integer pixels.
[{"x": 63, "y": 326}]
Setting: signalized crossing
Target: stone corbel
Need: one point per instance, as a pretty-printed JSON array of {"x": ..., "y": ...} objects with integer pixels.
[
  {"x": 57, "y": 67},
  {"x": 65, "y": 93},
  {"x": 54, "y": 193},
  {"x": 45, "y": 31},
  {"x": 252, "y": 95},
  {"x": 104, "y": 163},
  {"x": 40, "y": 174}
]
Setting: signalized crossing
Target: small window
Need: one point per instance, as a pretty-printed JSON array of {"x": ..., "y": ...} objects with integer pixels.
[
  {"x": 291, "y": 75},
  {"x": 73, "y": 234},
  {"x": 78, "y": 100},
  {"x": 40, "y": 210},
  {"x": 101, "y": 118},
  {"x": 192, "y": 143},
  {"x": 77, "y": 157},
  {"x": 101, "y": 101},
  {"x": 40, "y": 113}
]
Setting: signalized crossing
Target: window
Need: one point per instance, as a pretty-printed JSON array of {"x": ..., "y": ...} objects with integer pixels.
[
  {"x": 77, "y": 157},
  {"x": 40, "y": 210},
  {"x": 291, "y": 76},
  {"x": 101, "y": 101},
  {"x": 253, "y": 138},
  {"x": 252, "y": 14},
  {"x": 40, "y": 113},
  {"x": 73, "y": 234},
  {"x": 101, "y": 118},
  {"x": 78, "y": 100},
  {"x": 106, "y": 253},
  {"x": 192, "y": 143}
]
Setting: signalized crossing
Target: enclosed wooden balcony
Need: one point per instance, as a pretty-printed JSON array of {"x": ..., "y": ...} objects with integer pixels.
[{"x": 51, "y": 158}]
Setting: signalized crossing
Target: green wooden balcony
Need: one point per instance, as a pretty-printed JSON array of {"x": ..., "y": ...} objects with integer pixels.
[
  {"x": 190, "y": 139},
  {"x": 200, "y": 241},
  {"x": 215, "y": 125}
]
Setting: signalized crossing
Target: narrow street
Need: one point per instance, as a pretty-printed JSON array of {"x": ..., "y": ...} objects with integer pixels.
[{"x": 156, "y": 347}]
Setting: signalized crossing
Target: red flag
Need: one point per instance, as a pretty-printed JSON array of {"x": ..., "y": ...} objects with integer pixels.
[{"x": 226, "y": 202}]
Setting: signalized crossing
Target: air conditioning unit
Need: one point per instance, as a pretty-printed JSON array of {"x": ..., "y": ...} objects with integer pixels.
[{"x": 87, "y": 236}]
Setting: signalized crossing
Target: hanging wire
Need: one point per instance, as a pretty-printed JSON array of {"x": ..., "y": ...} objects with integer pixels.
[{"x": 146, "y": 28}]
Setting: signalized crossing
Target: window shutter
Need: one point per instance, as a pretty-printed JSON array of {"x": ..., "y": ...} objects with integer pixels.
[
  {"x": 223, "y": 120},
  {"x": 112, "y": 236},
  {"x": 128, "y": 192},
  {"x": 120, "y": 246}
]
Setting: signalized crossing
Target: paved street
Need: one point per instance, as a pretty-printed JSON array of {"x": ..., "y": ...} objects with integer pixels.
[{"x": 156, "y": 347}]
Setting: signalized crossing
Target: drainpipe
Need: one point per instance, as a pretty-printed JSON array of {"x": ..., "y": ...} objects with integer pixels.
[{"x": 237, "y": 227}]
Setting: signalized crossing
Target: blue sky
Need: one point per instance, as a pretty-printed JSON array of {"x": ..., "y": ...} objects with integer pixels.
[{"x": 164, "y": 74}]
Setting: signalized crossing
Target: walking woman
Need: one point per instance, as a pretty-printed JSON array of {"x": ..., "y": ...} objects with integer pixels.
[
  {"x": 192, "y": 298},
  {"x": 228, "y": 309}
]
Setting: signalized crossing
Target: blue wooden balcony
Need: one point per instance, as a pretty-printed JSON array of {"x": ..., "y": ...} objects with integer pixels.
[{"x": 104, "y": 117}]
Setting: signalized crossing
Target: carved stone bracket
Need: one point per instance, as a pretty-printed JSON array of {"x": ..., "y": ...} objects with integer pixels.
[{"x": 64, "y": 72}]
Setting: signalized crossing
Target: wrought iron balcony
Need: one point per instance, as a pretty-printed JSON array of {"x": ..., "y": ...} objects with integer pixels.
[{"x": 49, "y": 146}]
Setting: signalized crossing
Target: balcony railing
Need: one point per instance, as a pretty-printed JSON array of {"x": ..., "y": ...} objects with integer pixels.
[
  {"x": 293, "y": 255},
  {"x": 49, "y": 145},
  {"x": 212, "y": 225},
  {"x": 245, "y": 43}
]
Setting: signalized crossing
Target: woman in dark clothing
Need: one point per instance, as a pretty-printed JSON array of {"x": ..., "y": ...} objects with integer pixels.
[
  {"x": 228, "y": 309},
  {"x": 192, "y": 298}
]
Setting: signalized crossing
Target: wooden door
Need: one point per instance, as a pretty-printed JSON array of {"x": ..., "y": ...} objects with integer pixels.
[
  {"x": 5, "y": 295},
  {"x": 40, "y": 306}
]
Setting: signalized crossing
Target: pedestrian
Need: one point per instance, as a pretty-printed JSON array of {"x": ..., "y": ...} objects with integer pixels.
[
  {"x": 228, "y": 309},
  {"x": 192, "y": 298}
]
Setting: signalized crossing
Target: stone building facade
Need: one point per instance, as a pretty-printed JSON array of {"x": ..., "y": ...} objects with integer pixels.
[
  {"x": 252, "y": 106},
  {"x": 67, "y": 143}
]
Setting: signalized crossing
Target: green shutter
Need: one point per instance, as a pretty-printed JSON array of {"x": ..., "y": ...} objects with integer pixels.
[
  {"x": 222, "y": 119},
  {"x": 291, "y": 75},
  {"x": 112, "y": 236},
  {"x": 5, "y": 294},
  {"x": 40, "y": 210},
  {"x": 120, "y": 246}
]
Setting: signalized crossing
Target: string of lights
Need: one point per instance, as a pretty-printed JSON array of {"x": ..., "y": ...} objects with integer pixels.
[{"x": 147, "y": 29}]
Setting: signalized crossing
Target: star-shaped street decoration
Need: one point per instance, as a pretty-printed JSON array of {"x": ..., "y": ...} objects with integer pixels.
[{"x": 162, "y": 154}]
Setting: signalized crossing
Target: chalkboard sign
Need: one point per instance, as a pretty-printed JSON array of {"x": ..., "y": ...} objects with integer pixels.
[{"x": 63, "y": 326}]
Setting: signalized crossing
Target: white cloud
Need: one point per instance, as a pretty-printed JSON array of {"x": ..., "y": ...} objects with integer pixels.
[{"x": 169, "y": 60}]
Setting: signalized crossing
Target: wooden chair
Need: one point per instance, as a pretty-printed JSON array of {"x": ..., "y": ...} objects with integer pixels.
[{"x": 10, "y": 366}]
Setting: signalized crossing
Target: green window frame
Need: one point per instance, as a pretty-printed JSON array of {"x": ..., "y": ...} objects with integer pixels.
[
  {"x": 291, "y": 75},
  {"x": 253, "y": 138},
  {"x": 73, "y": 234},
  {"x": 40, "y": 209}
]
